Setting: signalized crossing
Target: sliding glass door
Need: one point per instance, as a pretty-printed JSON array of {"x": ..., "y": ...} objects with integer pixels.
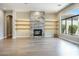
[{"x": 70, "y": 26}]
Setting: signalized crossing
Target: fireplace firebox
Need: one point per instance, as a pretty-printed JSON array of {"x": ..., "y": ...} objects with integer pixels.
[{"x": 37, "y": 32}]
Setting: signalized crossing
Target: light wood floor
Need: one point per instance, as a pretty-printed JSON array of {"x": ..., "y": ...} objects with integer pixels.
[{"x": 37, "y": 47}]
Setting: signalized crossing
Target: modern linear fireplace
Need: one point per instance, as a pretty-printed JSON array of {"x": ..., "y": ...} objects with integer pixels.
[{"x": 37, "y": 32}]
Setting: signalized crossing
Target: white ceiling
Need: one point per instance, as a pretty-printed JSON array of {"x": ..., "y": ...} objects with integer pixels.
[{"x": 47, "y": 7}]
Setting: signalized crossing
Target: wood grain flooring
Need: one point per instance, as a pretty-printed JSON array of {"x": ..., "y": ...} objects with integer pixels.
[{"x": 37, "y": 47}]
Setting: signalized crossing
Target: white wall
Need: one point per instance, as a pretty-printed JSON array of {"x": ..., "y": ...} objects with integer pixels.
[
  {"x": 14, "y": 22},
  {"x": 1, "y": 24},
  {"x": 50, "y": 17}
]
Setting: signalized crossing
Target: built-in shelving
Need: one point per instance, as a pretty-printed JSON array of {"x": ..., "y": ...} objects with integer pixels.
[
  {"x": 22, "y": 25},
  {"x": 26, "y": 25},
  {"x": 52, "y": 24}
]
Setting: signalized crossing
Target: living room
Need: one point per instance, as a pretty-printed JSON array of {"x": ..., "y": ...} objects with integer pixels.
[{"x": 39, "y": 29}]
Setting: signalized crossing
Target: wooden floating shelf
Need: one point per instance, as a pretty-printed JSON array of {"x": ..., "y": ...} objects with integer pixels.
[
  {"x": 25, "y": 21},
  {"x": 30, "y": 25},
  {"x": 50, "y": 29},
  {"x": 29, "y": 29},
  {"x": 22, "y": 21},
  {"x": 22, "y": 28},
  {"x": 51, "y": 21},
  {"x": 34, "y": 21},
  {"x": 23, "y": 24},
  {"x": 51, "y": 25}
]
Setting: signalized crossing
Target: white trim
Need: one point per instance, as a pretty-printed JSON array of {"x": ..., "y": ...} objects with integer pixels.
[
  {"x": 70, "y": 40},
  {"x": 60, "y": 24},
  {"x": 13, "y": 24}
]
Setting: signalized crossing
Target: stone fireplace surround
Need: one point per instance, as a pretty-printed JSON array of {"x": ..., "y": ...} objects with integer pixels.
[{"x": 37, "y": 23}]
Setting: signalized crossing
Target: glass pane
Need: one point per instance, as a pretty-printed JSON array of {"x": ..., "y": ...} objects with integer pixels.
[
  {"x": 63, "y": 26},
  {"x": 68, "y": 28},
  {"x": 75, "y": 26}
]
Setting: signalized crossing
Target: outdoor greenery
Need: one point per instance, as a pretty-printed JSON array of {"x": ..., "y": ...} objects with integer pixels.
[
  {"x": 63, "y": 28},
  {"x": 72, "y": 29}
]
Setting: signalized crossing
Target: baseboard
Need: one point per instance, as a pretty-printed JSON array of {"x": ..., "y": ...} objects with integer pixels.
[{"x": 69, "y": 40}]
